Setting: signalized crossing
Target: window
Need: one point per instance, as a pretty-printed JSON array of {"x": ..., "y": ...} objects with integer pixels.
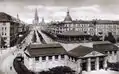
[
  {"x": 36, "y": 58},
  {"x": 56, "y": 56},
  {"x": 85, "y": 31},
  {"x": 75, "y": 59},
  {"x": 50, "y": 57},
  {"x": 5, "y": 28},
  {"x": 106, "y": 52},
  {"x": 62, "y": 56},
  {"x": 110, "y": 52},
  {"x": 5, "y": 33},
  {"x": 115, "y": 52},
  {"x": 4, "y": 38},
  {"x": 2, "y": 33},
  {"x": 2, "y": 28},
  {"x": 44, "y": 58},
  {"x": 4, "y": 23}
]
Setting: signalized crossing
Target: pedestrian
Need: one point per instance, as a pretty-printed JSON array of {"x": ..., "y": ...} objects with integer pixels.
[
  {"x": 13, "y": 53},
  {"x": 10, "y": 67}
]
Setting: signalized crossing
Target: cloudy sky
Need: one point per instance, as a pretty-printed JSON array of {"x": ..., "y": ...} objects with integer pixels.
[{"x": 56, "y": 9}]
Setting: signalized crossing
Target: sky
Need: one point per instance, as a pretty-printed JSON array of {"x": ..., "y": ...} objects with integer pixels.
[{"x": 55, "y": 10}]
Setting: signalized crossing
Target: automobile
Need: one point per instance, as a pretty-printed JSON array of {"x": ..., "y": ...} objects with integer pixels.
[{"x": 19, "y": 57}]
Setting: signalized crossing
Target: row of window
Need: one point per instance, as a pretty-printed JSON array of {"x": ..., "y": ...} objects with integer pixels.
[
  {"x": 49, "y": 57},
  {"x": 4, "y": 33},
  {"x": 4, "y": 28},
  {"x": 110, "y": 52},
  {"x": 55, "y": 57}
]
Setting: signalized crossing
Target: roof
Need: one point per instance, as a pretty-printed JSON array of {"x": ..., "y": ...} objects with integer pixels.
[
  {"x": 104, "y": 47},
  {"x": 96, "y": 22},
  {"x": 93, "y": 54},
  {"x": 100, "y": 42},
  {"x": 80, "y": 51},
  {"x": 73, "y": 33},
  {"x": 106, "y": 22},
  {"x": 99, "y": 46},
  {"x": 4, "y": 17},
  {"x": 46, "y": 50}
]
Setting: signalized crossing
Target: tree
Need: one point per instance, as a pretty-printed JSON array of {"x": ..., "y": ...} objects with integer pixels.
[
  {"x": 113, "y": 66},
  {"x": 95, "y": 38},
  {"x": 111, "y": 38},
  {"x": 59, "y": 70},
  {"x": 118, "y": 39},
  {"x": 105, "y": 38},
  {"x": 2, "y": 42}
]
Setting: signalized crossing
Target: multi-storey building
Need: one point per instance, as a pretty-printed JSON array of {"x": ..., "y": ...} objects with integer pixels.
[
  {"x": 97, "y": 27},
  {"x": 10, "y": 27}
]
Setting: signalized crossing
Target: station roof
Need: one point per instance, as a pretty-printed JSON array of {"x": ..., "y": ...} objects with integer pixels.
[
  {"x": 99, "y": 46},
  {"x": 73, "y": 33},
  {"x": 46, "y": 50},
  {"x": 79, "y": 52}
]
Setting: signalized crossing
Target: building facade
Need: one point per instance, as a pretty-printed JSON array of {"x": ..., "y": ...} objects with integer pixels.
[
  {"x": 39, "y": 57},
  {"x": 91, "y": 27},
  {"x": 9, "y": 29}
]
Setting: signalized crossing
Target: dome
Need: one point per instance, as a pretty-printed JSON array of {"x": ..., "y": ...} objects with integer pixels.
[{"x": 68, "y": 17}]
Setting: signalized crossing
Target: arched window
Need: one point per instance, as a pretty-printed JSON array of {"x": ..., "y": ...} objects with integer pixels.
[
  {"x": 50, "y": 57},
  {"x": 44, "y": 58},
  {"x": 56, "y": 57},
  {"x": 37, "y": 58},
  {"x": 62, "y": 56}
]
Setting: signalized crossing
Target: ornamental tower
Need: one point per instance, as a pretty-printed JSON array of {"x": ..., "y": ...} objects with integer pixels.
[{"x": 68, "y": 17}]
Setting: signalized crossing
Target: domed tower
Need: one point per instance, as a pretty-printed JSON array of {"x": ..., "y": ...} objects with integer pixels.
[{"x": 68, "y": 17}]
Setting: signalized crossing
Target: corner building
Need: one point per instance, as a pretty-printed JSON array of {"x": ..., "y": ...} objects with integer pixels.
[{"x": 10, "y": 28}]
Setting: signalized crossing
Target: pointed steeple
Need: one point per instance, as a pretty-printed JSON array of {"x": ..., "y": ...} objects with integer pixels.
[
  {"x": 68, "y": 17},
  {"x": 43, "y": 20},
  {"x": 18, "y": 16},
  {"x": 36, "y": 15},
  {"x": 36, "y": 18}
]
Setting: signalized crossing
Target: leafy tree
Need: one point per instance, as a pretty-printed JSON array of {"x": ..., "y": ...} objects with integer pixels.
[
  {"x": 111, "y": 38},
  {"x": 95, "y": 38},
  {"x": 113, "y": 66},
  {"x": 2, "y": 42},
  {"x": 59, "y": 70},
  {"x": 118, "y": 39},
  {"x": 105, "y": 38}
]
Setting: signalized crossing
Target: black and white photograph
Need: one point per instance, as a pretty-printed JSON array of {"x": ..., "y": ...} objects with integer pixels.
[{"x": 59, "y": 36}]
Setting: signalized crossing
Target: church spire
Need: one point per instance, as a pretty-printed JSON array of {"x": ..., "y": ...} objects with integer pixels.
[
  {"x": 36, "y": 15},
  {"x": 36, "y": 18},
  {"x": 18, "y": 16},
  {"x": 67, "y": 12},
  {"x": 43, "y": 19}
]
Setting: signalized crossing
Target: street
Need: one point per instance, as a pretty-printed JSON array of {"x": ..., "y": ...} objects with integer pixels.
[{"x": 6, "y": 58}]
